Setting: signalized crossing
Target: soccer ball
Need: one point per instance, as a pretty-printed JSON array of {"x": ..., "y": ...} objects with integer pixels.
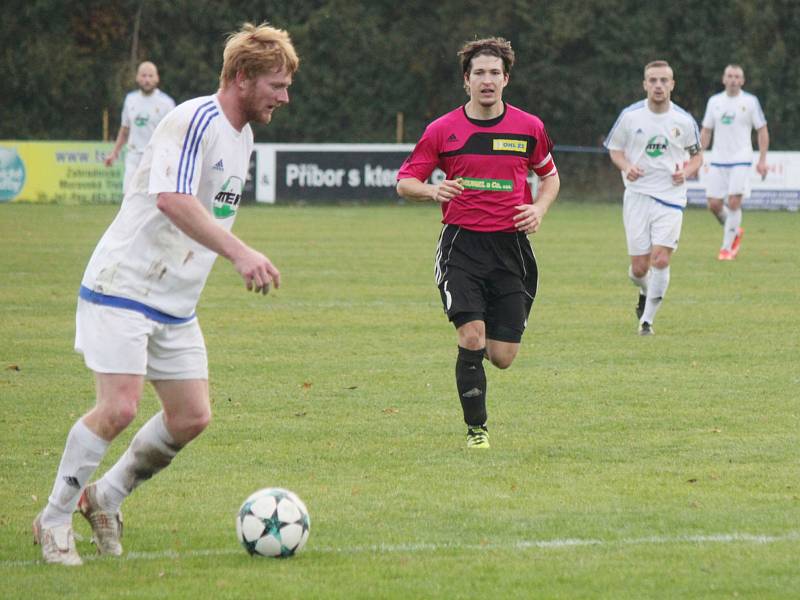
[{"x": 273, "y": 522}]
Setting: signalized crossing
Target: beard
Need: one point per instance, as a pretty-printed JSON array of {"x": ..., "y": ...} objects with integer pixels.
[{"x": 254, "y": 111}]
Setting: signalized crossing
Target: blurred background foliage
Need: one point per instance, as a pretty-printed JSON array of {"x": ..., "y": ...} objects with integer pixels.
[{"x": 580, "y": 62}]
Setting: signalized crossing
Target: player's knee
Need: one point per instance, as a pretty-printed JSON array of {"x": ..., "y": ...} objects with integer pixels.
[
  {"x": 188, "y": 426},
  {"x": 502, "y": 361},
  {"x": 661, "y": 261},
  {"x": 120, "y": 415}
]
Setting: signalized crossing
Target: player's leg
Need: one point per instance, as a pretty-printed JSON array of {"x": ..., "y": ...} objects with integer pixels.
[
  {"x": 666, "y": 231},
  {"x": 471, "y": 376},
  {"x": 113, "y": 343},
  {"x": 659, "y": 282},
  {"x": 177, "y": 367},
  {"x": 718, "y": 209},
  {"x": 87, "y": 442},
  {"x": 716, "y": 190},
  {"x": 738, "y": 189},
  {"x": 733, "y": 223},
  {"x": 636, "y": 219},
  {"x": 464, "y": 302}
]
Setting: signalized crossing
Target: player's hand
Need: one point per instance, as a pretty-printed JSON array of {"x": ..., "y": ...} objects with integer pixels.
[
  {"x": 529, "y": 218},
  {"x": 762, "y": 169},
  {"x": 110, "y": 159},
  {"x": 448, "y": 189},
  {"x": 257, "y": 271},
  {"x": 678, "y": 177},
  {"x": 633, "y": 172}
]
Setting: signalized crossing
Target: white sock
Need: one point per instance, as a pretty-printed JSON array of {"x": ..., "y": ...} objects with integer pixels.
[
  {"x": 732, "y": 224},
  {"x": 722, "y": 216},
  {"x": 151, "y": 449},
  {"x": 659, "y": 282},
  {"x": 82, "y": 453},
  {"x": 640, "y": 282}
]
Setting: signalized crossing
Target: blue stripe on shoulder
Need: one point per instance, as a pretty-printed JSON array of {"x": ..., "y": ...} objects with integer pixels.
[
  {"x": 128, "y": 304},
  {"x": 635, "y": 106},
  {"x": 203, "y": 124},
  {"x": 188, "y": 141}
]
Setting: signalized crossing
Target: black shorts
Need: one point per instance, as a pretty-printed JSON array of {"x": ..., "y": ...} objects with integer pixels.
[{"x": 491, "y": 277}]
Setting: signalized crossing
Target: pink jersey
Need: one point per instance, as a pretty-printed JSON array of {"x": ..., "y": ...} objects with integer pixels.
[{"x": 491, "y": 157}]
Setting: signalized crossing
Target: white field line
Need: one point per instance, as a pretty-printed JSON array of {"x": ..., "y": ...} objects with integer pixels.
[{"x": 657, "y": 540}]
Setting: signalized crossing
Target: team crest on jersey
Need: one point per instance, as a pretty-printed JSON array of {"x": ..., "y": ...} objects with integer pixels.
[
  {"x": 226, "y": 202},
  {"x": 141, "y": 120},
  {"x": 656, "y": 146},
  {"x": 728, "y": 118},
  {"x": 510, "y": 145},
  {"x": 676, "y": 133}
]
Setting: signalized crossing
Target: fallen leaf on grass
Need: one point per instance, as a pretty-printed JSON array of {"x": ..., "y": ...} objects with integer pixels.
[
  {"x": 306, "y": 385},
  {"x": 13, "y": 368},
  {"x": 391, "y": 411}
]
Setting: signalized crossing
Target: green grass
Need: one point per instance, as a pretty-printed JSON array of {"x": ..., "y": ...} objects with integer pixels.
[{"x": 621, "y": 467}]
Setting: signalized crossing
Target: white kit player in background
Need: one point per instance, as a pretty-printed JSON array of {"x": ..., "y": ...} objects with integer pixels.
[
  {"x": 142, "y": 111},
  {"x": 656, "y": 146},
  {"x": 731, "y": 117},
  {"x": 136, "y": 307}
]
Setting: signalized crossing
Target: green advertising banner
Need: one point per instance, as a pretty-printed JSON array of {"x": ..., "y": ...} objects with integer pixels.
[{"x": 62, "y": 172}]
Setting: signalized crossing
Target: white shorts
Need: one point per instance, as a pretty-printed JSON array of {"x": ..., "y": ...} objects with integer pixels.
[
  {"x": 649, "y": 223},
  {"x": 132, "y": 160},
  {"x": 122, "y": 341},
  {"x": 722, "y": 182}
]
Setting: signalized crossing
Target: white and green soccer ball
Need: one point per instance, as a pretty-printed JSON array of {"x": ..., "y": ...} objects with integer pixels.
[{"x": 273, "y": 522}]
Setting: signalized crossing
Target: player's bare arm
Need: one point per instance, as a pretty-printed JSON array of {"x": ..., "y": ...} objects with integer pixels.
[
  {"x": 191, "y": 218},
  {"x": 411, "y": 188},
  {"x": 530, "y": 216},
  {"x": 631, "y": 171},
  {"x": 122, "y": 139},
  {"x": 763, "y": 146},
  {"x": 705, "y": 138}
]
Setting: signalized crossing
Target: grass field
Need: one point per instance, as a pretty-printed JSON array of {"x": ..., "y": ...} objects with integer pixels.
[{"x": 620, "y": 467}]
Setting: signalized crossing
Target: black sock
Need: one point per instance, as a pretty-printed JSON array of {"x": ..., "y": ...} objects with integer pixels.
[{"x": 471, "y": 384}]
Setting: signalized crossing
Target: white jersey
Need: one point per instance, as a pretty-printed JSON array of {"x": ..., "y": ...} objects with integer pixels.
[
  {"x": 143, "y": 256},
  {"x": 657, "y": 143},
  {"x": 733, "y": 118},
  {"x": 141, "y": 113}
]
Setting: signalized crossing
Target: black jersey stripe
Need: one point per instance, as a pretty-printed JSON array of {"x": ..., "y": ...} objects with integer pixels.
[{"x": 483, "y": 143}]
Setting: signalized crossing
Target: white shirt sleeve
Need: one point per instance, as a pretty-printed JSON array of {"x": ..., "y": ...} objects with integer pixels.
[
  {"x": 618, "y": 136},
  {"x": 125, "y": 120},
  {"x": 708, "y": 118}
]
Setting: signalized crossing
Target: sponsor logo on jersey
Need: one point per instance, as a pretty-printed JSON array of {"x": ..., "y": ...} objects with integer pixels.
[
  {"x": 141, "y": 120},
  {"x": 656, "y": 146},
  {"x": 488, "y": 185},
  {"x": 510, "y": 145},
  {"x": 12, "y": 174},
  {"x": 226, "y": 202},
  {"x": 218, "y": 166},
  {"x": 452, "y": 138},
  {"x": 728, "y": 118}
]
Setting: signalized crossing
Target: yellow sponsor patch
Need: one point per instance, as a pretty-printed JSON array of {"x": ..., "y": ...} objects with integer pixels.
[{"x": 510, "y": 145}]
